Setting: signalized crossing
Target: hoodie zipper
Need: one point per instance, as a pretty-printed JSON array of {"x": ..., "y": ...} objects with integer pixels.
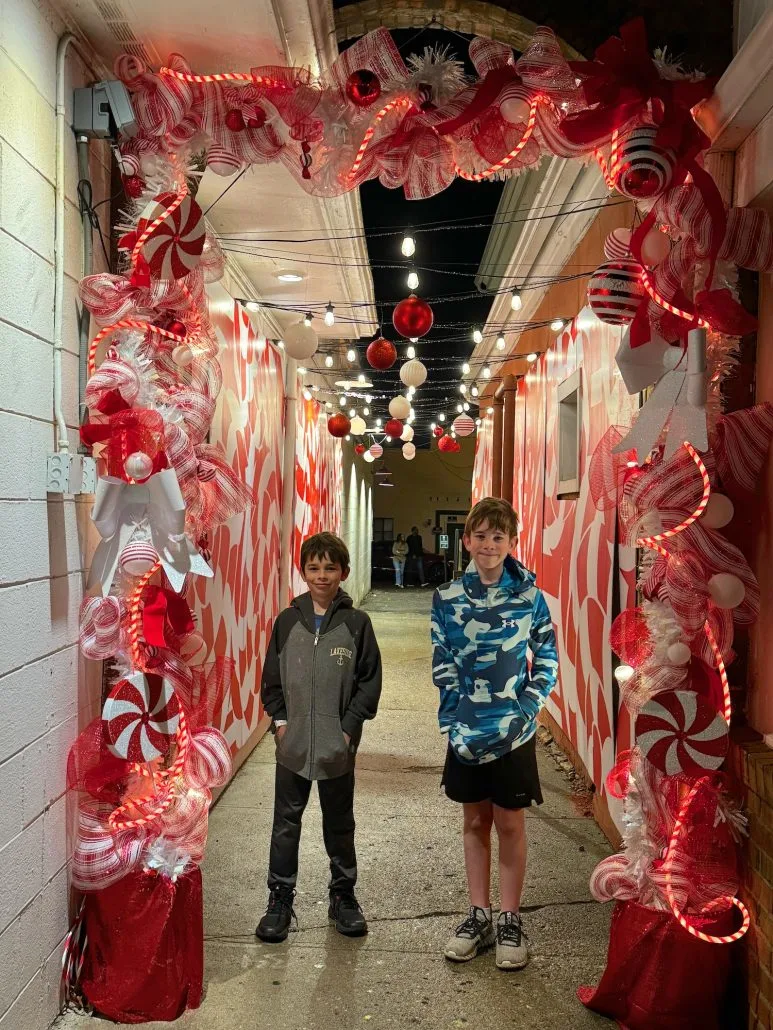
[{"x": 313, "y": 667}]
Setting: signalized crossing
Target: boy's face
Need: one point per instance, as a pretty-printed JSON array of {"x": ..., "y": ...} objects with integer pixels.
[
  {"x": 489, "y": 547},
  {"x": 323, "y": 578}
]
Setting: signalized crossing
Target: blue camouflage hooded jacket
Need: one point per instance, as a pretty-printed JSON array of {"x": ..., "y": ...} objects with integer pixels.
[{"x": 488, "y": 699}]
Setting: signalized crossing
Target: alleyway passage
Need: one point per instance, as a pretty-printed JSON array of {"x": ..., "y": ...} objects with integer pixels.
[{"x": 411, "y": 888}]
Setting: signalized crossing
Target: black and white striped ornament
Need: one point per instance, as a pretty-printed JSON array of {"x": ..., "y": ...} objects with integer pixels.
[
  {"x": 641, "y": 169},
  {"x": 615, "y": 291}
]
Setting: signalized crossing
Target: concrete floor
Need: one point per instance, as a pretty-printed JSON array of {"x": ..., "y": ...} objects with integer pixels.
[{"x": 412, "y": 887}]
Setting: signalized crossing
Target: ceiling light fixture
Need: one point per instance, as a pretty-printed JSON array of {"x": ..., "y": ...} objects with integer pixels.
[{"x": 288, "y": 276}]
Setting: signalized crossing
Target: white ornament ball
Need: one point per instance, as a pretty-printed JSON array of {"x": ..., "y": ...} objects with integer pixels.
[
  {"x": 618, "y": 245},
  {"x": 182, "y": 355},
  {"x": 129, "y": 164},
  {"x": 138, "y": 465},
  {"x": 367, "y": 456},
  {"x": 376, "y": 450},
  {"x": 679, "y": 653},
  {"x": 407, "y": 434},
  {"x": 399, "y": 407},
  {"x": 358, "y": 426},
  {"x": 138, "y": 558},
  {"x": 655, "y": 248},
  {"x": 149, "y": 163},
  {"x": 515, "y": 104},
  {"x": 463, "y": 425},
  {"x": 409, "y": 451},
  {"x": 223, "y": 162},
  {"x": 300, "y": 341},
  {"x": 719, "y": 511},
  {"x": 643, "y": 168},
  {"x": 413, "y": 373},
  {"x": 727, "y": 590},
  {"x": 615, "y": 291}
]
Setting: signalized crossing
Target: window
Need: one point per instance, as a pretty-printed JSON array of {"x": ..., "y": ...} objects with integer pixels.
[
  {"x": 569, "y": 434},
  {"x": 383, "y": 529}
]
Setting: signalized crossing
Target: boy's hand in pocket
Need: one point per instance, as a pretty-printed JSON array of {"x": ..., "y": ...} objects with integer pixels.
[
  {"x": 280, "y": 732},
  {"x": 348, "y": 739}
]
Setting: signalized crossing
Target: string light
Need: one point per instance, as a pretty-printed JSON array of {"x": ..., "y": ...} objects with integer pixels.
[
  {"x": 369, "y": 398},
  {"x": 532, "y": 356},
  {"x": 515, "y": 301},
  {"x": 329, "y": 314},
  {"x": 328, "y": 405},
  {"x": 378, "y": 423},
  {"x": 342, "y": 401},
  {"x": 252, "y": 305},
  {"x": 489, "y": 411},
  {"x": 441, "y": 417},
  {"x": 465, "y": 406},
  {"x": 500, "y": 343},
  {"x": 350, "y": 355},
  {"x": 366, "y": 411},
  {"x": 460, "y": 408},
  {"x": 433, "y": 425},
  {"x": 307, "y": 395},
  {"x": 486, "y": 372},
  {"x": 557, "y": 325},
  {"x": 462, "y": 388},
  {"x": 280, "y": 344},
  {"x": 361, "y": 377},
  {"x": 329, "y": 361},
  {"x": 408, "y": 246},
  {"x": 307, "y": 318},
  {"x": 477, "y": 336},
  {"x": 352, "y": 412},
  {"x": 466, "y": 368},
  {"x": 412, "y": 281},
  {"x": 411, "y": 352},
  {"x": 475, "y": 391}
]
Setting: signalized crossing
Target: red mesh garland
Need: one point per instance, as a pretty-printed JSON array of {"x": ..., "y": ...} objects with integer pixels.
[{"x": 630, "y": 638}]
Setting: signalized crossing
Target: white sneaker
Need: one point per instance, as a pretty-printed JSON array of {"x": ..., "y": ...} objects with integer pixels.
[
  {"x": 471, "y": 937},
  {"x": 512, "y": 952}
]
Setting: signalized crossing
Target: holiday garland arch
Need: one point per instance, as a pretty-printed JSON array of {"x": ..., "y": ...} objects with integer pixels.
[{"x": 144, "y": 771}]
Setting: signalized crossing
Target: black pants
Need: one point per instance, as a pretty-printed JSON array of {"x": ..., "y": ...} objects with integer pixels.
[{"x": 336, "y": 798}]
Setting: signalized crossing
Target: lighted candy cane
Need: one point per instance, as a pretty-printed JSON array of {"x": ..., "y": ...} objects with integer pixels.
[
  {"x": 499, "y": 165},
  {"x": 370, "y": 131},
  {"x": 608, "y": 172},
  {"x": 689, "y": 316},
  {"x": 667, "y": 865},
  {"x": 259, "y": 80},
  {"x": 126, "y": 323}
]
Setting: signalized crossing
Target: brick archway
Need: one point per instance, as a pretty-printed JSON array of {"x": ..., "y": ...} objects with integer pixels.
[{"x": 473, "y": 17}]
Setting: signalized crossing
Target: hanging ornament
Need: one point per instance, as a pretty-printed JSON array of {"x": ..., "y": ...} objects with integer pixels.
[
  {"x": 413, "y": 373},
  {"x": 306, "y": 160},
  {"x": 258, "y": 119},
  {"x": 438, "y": 431},
  {"x": 463, "y": 425},
  {"x": 412, "y": 317},
  {"x": 138, "y": 465},
  {"x": 409, "y": 451},
  {"x": 515, "y": 103},
  {"x": 394, "y": 428},
  {"x": 375, "y": 451},
  {"x": 445, "y": 443},
  {"x": 177, "y": 327},
  {"x": 222, "y": 161},
  {"x": 617, "y": 245},
  {"x": 399, "y": 407},
  {"x": 655, "y": 247},
  {"x": 359, "y": 448},
  {"x": 367, "y": 456},
  {"x": 182, "y": 355},
  {"x": 679, "y": 653},
  {"x": 234, "y": 120},
  {"x": 140, "y": 717},
  {"x": 190, "y": 647},
  {"x": 381, "y": 354},
  {"x": 679, "y": 731},
  {"x": 718, "y": 512},
  {"x": 727, "y": 590},
  {"x": 138, "y": 558},
  {"x": 174, "y": 247},
  {"x": 615, "y": 291},
  {"x": 358, "y": 426},
  {"x": 363, "y": 87},
  {"x": 407, "y": 434},
  {"x": 128, "y": 164},
  {"x": 338, "y": 425},
  {"x": 641, "y": 169},
  {"x": 134, "y": 186},
  {"x": 300, "y": 341}
]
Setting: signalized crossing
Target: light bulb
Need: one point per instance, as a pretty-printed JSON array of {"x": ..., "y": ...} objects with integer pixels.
[
  {"x": 378, "y": 423},
  {"x": 361, "y": 377},
  {"x": 412, "y": 281},
  {"x": 459, "y": 408},
  {"x": 411, "y": 391},
  {"x": 466, "y": 368},
  {"x": 432, "y": 425},
  {"x": 463, "y": 388},
  {"x": 411, "y": 415},
  {"x": 557, "y": 325},
  {"x": 328, "y": 405},
  {"x": 350, "y": 355},
  {"x": 414, "y": 339},
  {"x": 532, "y": 356},
  {"x": 252, "y": 305},
  {"x": 477, "y": 421},
  {"x": 329, "y": 316},
  {"x": 441, "y": 418},
  {"x": 411, "y": 352},
  {"x": 280, "y": 344},
  {"x": 474, "y": 391},
  {"x": 486, "y": 372},
  {"x": 301, "y": 370},
  {"x": 477, "y": 336},
  {"x": 500, "y": 343},
  {"x": 388, "y": 439},
  {"x": 307, "y": 318},
  {"x": 409, "y": 246},
  {"x": 342, "y": 401},
  {"x": 366, "y": 411},
  {"x": 352, "y": 412},
  {"x": 347, "y": 437},
  {"x": 489, "y": 411},
  {"x": 465, "y": 406},
  {"x": 307, "y": 395},
  {"x": 623, "y": 673},
  {"x": 368, "y": 398},
  {"x": 515, "y": 301},
  {"x": 329, "y": 361}
]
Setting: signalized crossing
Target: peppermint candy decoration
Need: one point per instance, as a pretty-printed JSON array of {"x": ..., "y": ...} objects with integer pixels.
[
  {"x": 223, "y": 162},
  {"x": 612, "y": 879},
  {"x": 100, "y": 629},
  {"x": 208, "y": 763},
  {"x": 463, "y": 425},
  {"x": 140, "y": 717},
  {"x": 138, "y": 558},
  {"x": 681, "y": 732},
  {"x": 113, "y": 374},
  {"x": 615, "y": 291},
  {"x": 175, "y": 246},
  {"x": 102, "y": 857}
]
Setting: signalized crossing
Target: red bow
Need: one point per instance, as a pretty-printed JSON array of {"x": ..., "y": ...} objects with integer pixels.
[
  {"x": 622, "y": 80},
  {"x": 165, "y": 617},
  {"x": 125, "y": 432},
  {"x": 486, "y": 92}
]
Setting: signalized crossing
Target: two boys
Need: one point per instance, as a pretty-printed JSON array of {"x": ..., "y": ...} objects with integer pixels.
[{"x": 322, "y": 679}]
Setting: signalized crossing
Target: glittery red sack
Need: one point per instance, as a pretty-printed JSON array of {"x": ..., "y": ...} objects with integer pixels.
[
  {"x": 660, "y": 976},
  {"x": 144, "y": 959}
]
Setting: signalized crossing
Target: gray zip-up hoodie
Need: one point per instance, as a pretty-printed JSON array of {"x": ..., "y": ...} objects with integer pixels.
[{"x": 324, "y": 684}]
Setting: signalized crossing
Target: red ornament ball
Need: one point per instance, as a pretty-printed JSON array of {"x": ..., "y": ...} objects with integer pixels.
[
  {"x": 134, "y": 186},
  {"x": 438, "y": 431},
  {"x": 394, "y": 428},
  {"x": 413, "y": 317},
  {"x": 177, "y": 327},
  {"x": 258, "y": 119},
  {"x": 381, "y": 354},
  {"x": 359, "y": 448},
  {"x": 615, "y": 291},
  {"x": 642, "y": 168},
  {"x": 363, "y": 87},
  {"x": 338, "y": 425},
  {"x": 445, "y": 443},
  {"x": 234, "y": 120}
]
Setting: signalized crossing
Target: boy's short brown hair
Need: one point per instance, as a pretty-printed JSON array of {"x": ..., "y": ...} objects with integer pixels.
[
  {"x": 498, "y": 513},
  {"x": 325, "y": 545}
]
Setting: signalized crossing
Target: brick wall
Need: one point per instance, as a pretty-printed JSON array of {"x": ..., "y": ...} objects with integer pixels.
[
  {"x": 751, "y": 763},
  {"x": 45, "y": 697}
]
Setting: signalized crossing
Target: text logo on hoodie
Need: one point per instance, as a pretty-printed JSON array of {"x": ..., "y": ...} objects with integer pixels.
[{"x": 340, "y": 653}]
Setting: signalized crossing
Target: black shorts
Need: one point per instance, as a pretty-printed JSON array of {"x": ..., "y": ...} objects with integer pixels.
[{"x": 511, "y": 781}]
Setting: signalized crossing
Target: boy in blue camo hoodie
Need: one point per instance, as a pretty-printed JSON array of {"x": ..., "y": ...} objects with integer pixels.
[{"x": 482, "y": 626}]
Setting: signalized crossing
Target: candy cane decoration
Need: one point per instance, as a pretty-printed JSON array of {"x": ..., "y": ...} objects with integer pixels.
[
  {"x": 259, "y": 80},
  {"x": 127, "y": 323},
  {"x": 667, "y": 865},
  {"x": 689, "y": 316},
  {"x": 370, "y": 131},
  {"x": 499, "y": 165}
]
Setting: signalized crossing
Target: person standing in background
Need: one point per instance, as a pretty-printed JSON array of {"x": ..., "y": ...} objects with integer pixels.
[
  {"x": 399, "y": 554},
  {"x": 416, "y": 554}
]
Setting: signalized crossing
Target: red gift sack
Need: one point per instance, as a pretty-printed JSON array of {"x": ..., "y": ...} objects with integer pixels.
[
  {"x": 144, "y": 958},
  {"x": 660, "y": 977}
]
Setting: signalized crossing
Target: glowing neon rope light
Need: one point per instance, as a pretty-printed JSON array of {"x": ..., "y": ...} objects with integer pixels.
[
  {"x": 259, "y": 80},
  {"x": 499, "y": 165},
  {"x": 689, "y": 316},
  {"x": 370, "y": 131}
]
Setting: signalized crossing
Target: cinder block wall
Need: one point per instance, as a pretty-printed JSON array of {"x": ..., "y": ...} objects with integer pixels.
[{"x": 44, "y": 694}]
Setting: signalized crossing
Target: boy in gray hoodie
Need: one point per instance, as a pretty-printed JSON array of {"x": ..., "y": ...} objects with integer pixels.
[{"x": 321, "y": 680}]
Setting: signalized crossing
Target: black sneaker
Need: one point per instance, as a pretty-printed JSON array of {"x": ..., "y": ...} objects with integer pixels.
[
  {"x": 347, "y": 915},
  {"x": 275, "y": 924}
]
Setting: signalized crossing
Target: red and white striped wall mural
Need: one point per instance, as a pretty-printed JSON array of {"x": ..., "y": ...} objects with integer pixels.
[{"x": 482, "y": 467}]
